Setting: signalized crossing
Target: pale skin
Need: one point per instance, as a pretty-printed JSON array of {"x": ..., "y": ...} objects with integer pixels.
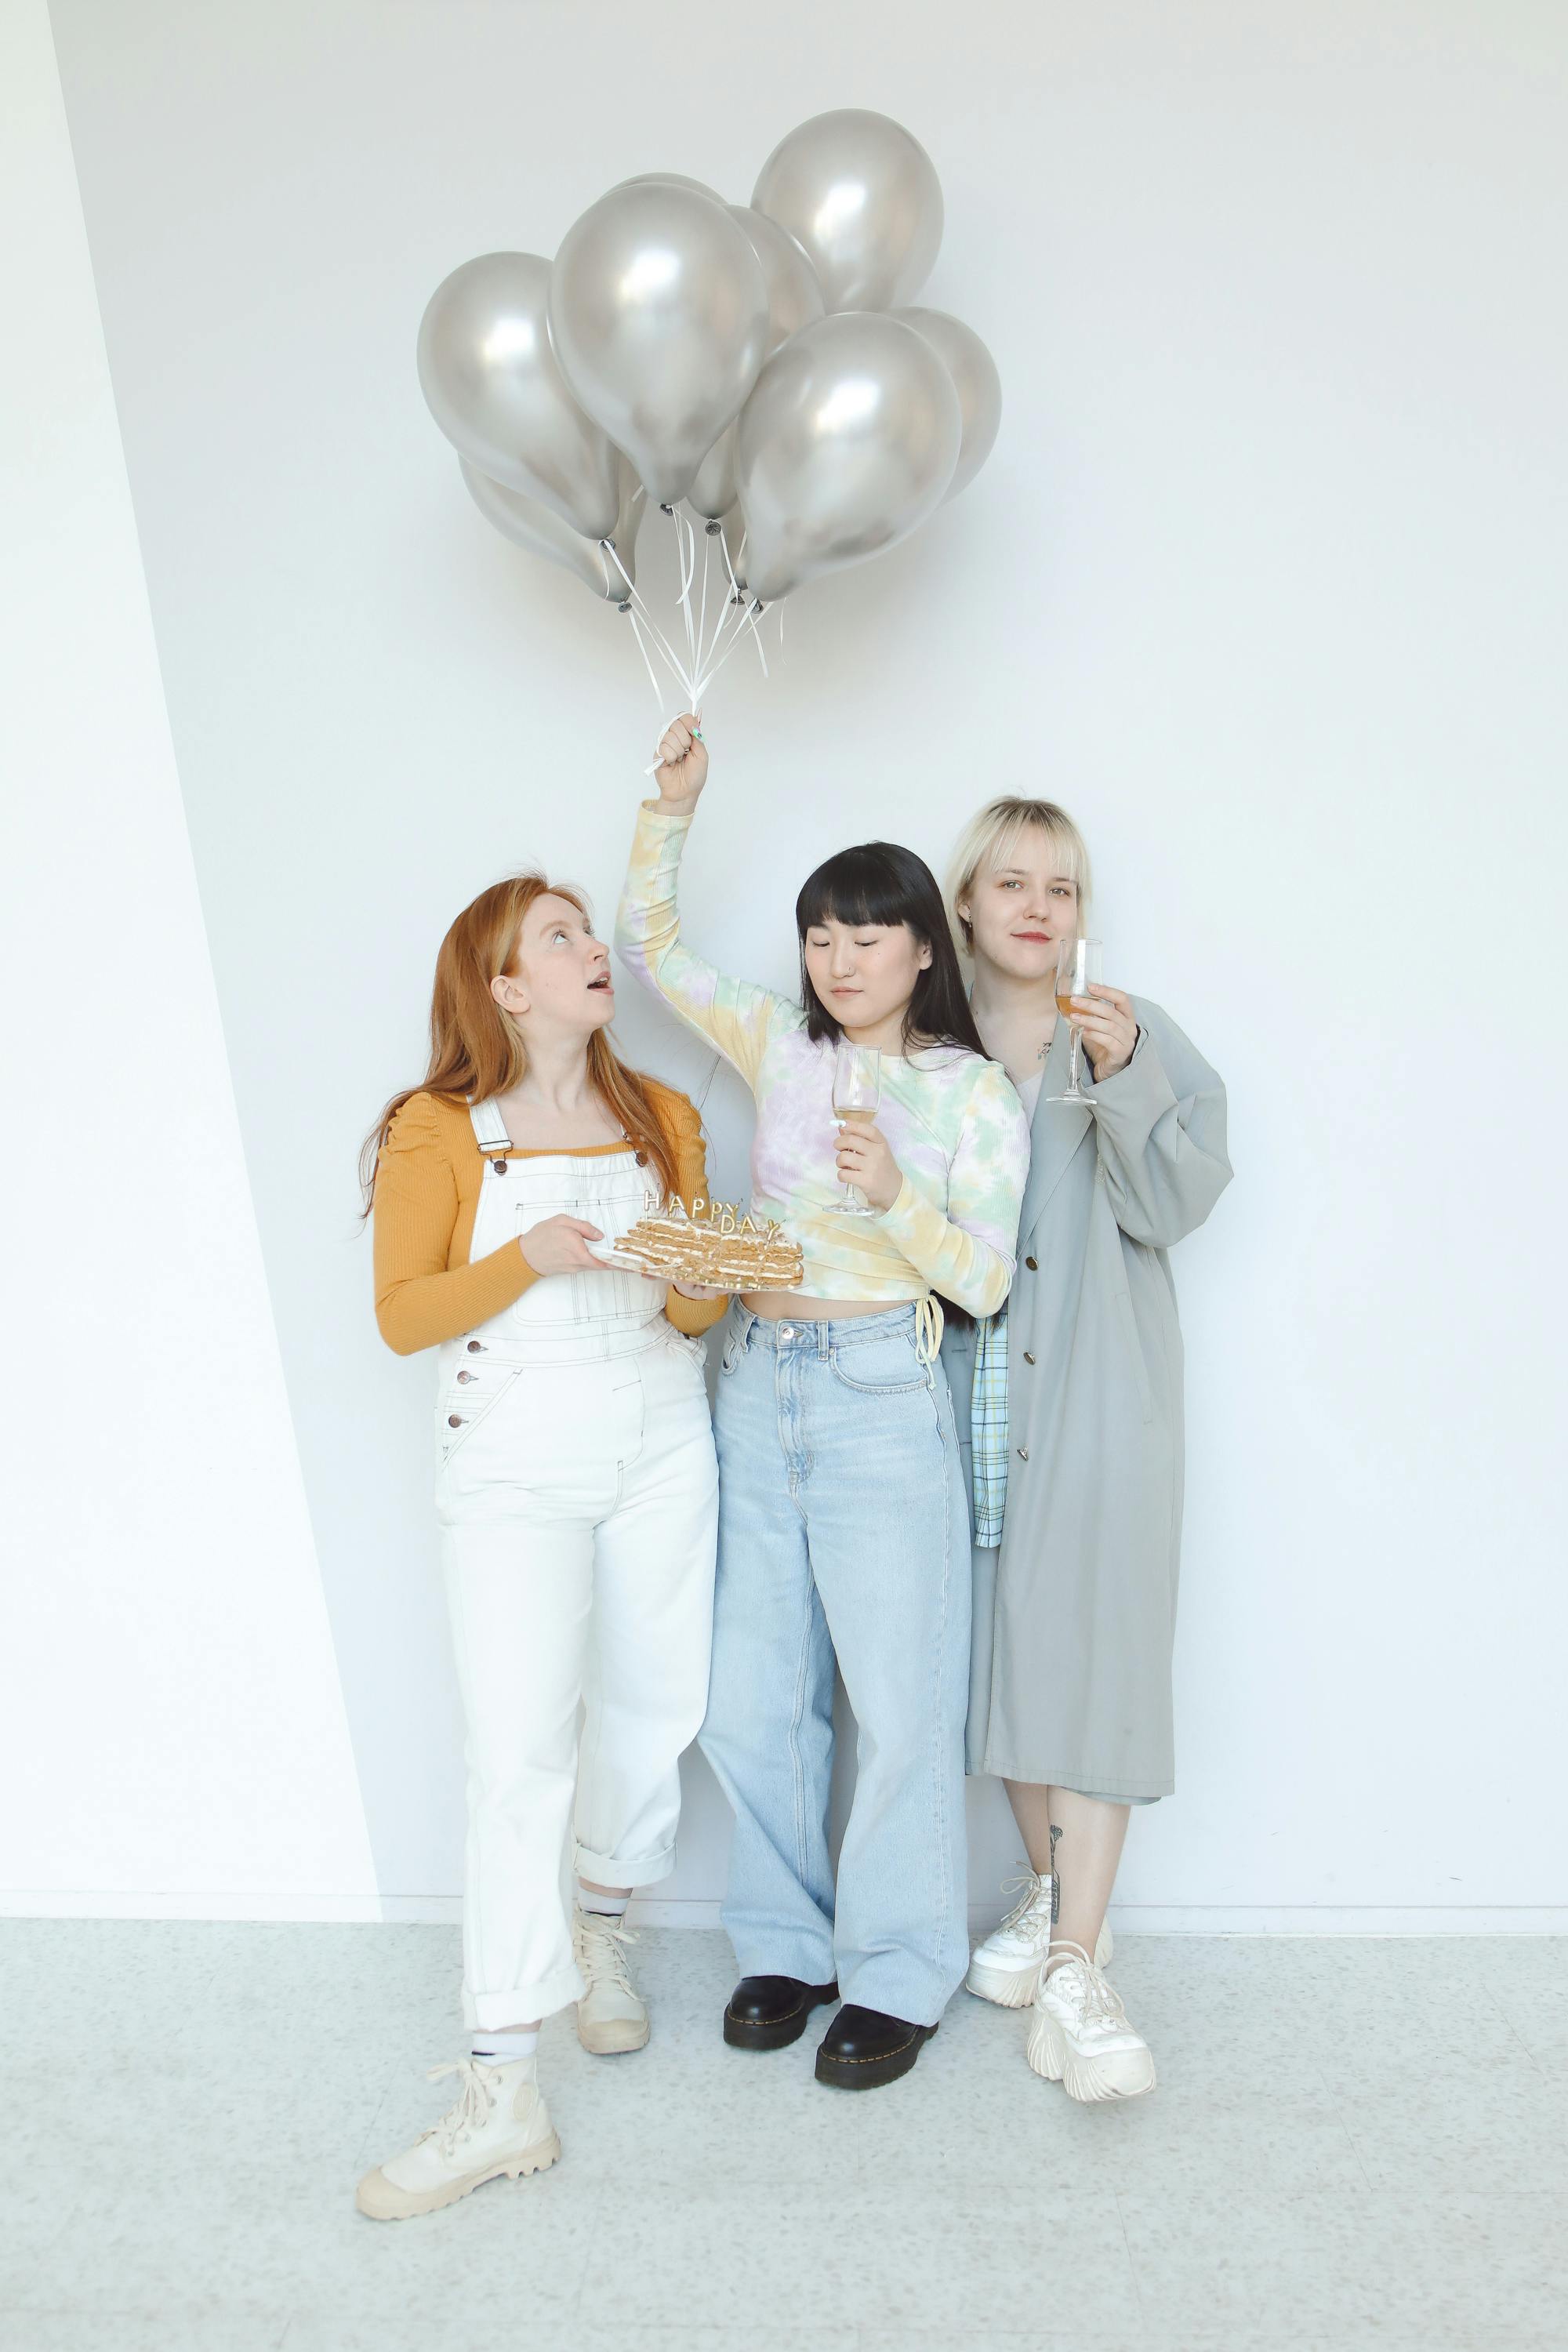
[
  {"x": 1018, "y": 914},
  {"x": 865, "y": 975}
]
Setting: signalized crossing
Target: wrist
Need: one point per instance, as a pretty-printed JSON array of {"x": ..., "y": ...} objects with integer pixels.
[{"x": 668, "y": 806}]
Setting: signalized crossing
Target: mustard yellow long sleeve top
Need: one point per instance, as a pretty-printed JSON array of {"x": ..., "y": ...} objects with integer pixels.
[{"x": 427, "y": 1182}]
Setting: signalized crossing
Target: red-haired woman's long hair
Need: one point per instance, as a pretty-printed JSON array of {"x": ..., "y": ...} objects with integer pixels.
[{"x": 476, "y": 1047}]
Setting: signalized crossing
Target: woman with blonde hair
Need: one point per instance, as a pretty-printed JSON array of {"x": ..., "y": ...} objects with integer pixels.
[
  {"x": 576, "y": 1486},
  {"x": 1070, "y": 1407}
]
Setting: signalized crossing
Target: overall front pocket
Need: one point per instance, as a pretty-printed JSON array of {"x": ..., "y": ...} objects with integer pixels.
[{"x": 467, "y": 1397}]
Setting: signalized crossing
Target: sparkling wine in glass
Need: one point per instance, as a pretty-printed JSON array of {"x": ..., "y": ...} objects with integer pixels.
[
  {"x": 1078, "y": 963},
  {"x": 856, "y": 1087}
]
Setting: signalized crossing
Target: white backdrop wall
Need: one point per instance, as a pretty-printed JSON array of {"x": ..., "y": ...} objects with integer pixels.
[
  {"x": 1264, "y": 580},
  {"x": 172, "y": 1735}
]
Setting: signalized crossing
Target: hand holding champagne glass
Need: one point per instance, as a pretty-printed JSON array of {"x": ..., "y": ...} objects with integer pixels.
[
  {"x": 857, "y": 1087},
  {"x": 1079, "y": 967}
]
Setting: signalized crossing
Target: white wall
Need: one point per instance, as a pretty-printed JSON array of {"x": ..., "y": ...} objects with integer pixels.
[
  {"x": 172, "y": 1732},
  {"x": 1264, "y": 579}
]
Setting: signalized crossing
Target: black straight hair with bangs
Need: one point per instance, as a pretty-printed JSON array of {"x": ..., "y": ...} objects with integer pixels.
[{"x": 882, "y": 884}]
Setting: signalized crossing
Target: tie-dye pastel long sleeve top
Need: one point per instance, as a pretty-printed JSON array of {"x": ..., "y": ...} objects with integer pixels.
[{"x": 952, "y": 1120}]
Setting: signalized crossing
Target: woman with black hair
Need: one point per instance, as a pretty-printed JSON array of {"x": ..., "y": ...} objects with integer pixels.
[{"x": 843, "y": 1528}]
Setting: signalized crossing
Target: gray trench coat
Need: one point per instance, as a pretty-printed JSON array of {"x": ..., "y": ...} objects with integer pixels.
[{"x": 1075, "y": 1611}]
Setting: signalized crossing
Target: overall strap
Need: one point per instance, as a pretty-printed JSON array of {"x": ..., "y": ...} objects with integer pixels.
[{"x": 489, "y": 1127}]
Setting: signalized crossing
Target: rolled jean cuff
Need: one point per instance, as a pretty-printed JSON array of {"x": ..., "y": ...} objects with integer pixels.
[
  {"x": 605, "y": 1871},
  {"x": 487, "y": 2012}
]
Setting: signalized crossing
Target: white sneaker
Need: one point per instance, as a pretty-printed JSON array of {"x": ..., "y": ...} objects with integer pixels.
[
  {"x": 1006, "y": 1967},
  {"x": 1080, "y": 2037},
  {"x": 499, "y": 2124},
  {"x": 612, "y": 2015}
]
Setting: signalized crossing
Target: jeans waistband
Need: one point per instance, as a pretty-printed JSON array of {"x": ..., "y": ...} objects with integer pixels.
[{"x": 832, "y": 1334}]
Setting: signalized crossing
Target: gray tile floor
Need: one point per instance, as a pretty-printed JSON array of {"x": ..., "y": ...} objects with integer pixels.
[{"x": 1354, "y": 2143}]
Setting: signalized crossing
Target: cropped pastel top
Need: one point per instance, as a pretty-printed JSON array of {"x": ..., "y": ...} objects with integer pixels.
[{"x": 951, "y": 1119}]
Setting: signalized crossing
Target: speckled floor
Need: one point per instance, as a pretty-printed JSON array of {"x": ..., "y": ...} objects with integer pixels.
[{"x": 1354, "y": 2143}]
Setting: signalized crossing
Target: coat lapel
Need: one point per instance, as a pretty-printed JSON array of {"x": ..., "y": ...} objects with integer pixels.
[{"x": 1058, "y": 1130}]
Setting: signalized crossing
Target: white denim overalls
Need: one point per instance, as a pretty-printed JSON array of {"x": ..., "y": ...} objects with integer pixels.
[{"x": 577, "y": 1490}]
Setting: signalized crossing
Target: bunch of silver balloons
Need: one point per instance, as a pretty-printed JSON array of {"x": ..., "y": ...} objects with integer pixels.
[{"x": 757, "y": 361}]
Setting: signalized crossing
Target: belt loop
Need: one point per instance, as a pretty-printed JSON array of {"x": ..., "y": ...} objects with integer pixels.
[{"x": 824, "y": 1340}]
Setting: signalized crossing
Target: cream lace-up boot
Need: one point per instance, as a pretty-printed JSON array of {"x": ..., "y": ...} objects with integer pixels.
[
  {"x": 1006, "y": 1967},
  {"x": 499, "y": 2124},
  {"x": 1081, "y": 2038},
  {"x": 612, "y": 2015}
]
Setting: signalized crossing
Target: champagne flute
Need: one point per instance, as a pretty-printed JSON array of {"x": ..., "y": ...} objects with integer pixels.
[
  {"x": 1078, "y": 963},
  {"x": 856, "y": 1087}
]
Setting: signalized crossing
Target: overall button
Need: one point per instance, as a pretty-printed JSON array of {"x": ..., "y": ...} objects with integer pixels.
[
  {"x": 1033, "y": 1264},
  {"x": 453, "y": 1421},
  {"x": 463, "y": 1379},
  {"x": 1028, "y": 1359},
  {"x": 1022, "y": 1453}
]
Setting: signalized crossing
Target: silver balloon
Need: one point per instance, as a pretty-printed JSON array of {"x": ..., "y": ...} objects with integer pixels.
[
  {"x": 658, "y": 313},
  {"x": 795, "y": 300},
  {"x": 849, "y": 441},
  {"x": 529, "y": 524},
  {"x": 794, "y": 297},
  {"x": 975, "y": 380},
  {"x": 712, "y": 491},
  {"x": 861, "y": 196},
  {"x": 495, "y": 390},
  {"x": 670, "y": 180}
]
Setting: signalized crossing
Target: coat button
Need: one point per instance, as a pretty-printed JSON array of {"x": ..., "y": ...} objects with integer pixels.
[
  {"x": 476, "y": 1347},
  {"x": 1033, "y": 1264},
  {"x": 1022, "y": 1453},
  {"x": 1027, "y": 1358},
  {"x": 453, "y": 1421}
]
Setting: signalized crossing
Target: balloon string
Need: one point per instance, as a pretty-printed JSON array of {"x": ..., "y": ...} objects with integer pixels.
[
  {"x": 636, "y": 606},
  {"x": 652, "y": 676},
  {"x": 738, "y": 595},
  {"x": 707, "y": 566},
  {"x": 748, "y": 620},
  {"x": 688, "y": 568},
  {"x": 736, "y": 623}
]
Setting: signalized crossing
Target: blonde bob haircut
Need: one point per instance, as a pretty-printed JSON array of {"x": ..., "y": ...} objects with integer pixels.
[{"x": 989, "y": 844}]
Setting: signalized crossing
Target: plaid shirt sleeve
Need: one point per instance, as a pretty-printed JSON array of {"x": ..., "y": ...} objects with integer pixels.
[{"x": 988, "y": 1429}]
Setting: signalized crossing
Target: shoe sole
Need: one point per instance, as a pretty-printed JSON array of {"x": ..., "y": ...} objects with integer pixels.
[
  {"x": 1016, "y": 1987},
  {"x": 774, "y": 2032},
  {"x": 1126, "y": 2075},
  {"x": 869, "y": 2073},
  {"x": 390, "y": 2203},
  {"x": 613, "y": 2039}
]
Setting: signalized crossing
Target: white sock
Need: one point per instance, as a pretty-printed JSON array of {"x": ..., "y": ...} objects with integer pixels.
[
  {"x": 504, "y": 2049},
  {"x": 609, "y": 1907}
]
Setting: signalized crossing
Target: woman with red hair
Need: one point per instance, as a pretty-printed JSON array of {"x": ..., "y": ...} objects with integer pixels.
[{"x": 576, "y": 1486}]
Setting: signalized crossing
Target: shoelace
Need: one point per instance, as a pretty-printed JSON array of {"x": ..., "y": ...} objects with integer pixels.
[
  {"x": 1095, "y": 1997},
  {"x": 472, "y": 2109},
  {"x": 599, "y": 1949},
  {"x": 1035, "y": 1891}
]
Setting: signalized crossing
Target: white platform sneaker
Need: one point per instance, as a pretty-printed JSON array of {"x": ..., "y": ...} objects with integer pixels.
[
  {"x": 499, "y": 2124},
  {"x": 1081, "y": 2036},
  {"x": 1006, "y": 1967},
  {"x": 612, "y": 2015}
]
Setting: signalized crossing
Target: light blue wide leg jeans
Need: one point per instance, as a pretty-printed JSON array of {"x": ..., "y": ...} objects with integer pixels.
[{"x": 843, "y": 1530}]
